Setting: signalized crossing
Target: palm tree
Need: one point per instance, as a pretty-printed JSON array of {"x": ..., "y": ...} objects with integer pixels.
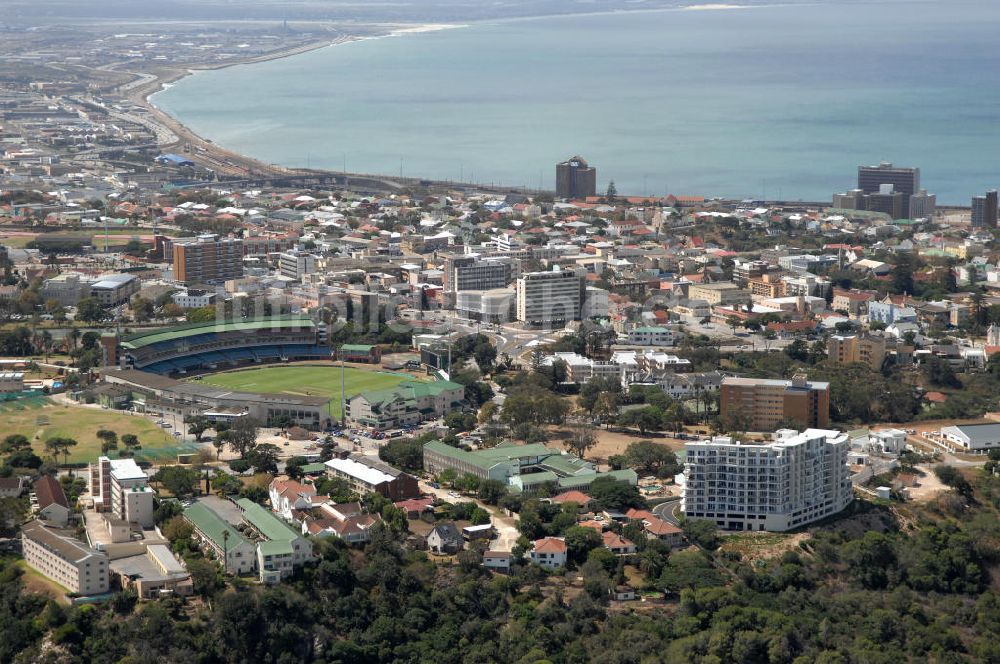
[{"x": 74, "y": 337}]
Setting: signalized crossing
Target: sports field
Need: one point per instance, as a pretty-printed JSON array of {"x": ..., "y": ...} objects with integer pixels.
[
  {"x": 39, "y": 418},
  {"x": 307, "y": 381}
]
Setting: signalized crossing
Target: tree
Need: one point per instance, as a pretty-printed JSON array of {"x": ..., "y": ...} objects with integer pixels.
[
  {"x": 701, "y": 532},
  {"x": 131, "y": 443},
  {"x": 491, "y": 491},
  {"x": 581, "y": 440},
  {"x": 404, "y": 453},
  {"x": 293, "y": 467},
  {"x": 610, "y": 493},
  {"x": 264, "y": 458},
  {"x": 198, "y": 425},
  {"x": 89, "y": 310},
  {"x": 15, "y": 443},
  {"x": 798, "y": 350},
  {"x": 606, "y": 407},
  {"x": 242, "y": 437},
  {"x": 902, "y": 274},
  {"x": 649, "y": 458},
  {"x": 178, "y": 480},
  {"x": 645, "y": 419},
  {"x": 579, "y": 543},
  {"x": 612, "y": 192},
  {"x": 60, "y": 445}
]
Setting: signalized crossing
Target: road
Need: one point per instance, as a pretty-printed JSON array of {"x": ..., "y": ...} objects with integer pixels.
[
  {"x": 505, "y": 526},
  {"x": 668, "y": 510}
]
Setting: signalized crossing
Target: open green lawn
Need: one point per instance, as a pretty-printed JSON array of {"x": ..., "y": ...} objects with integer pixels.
[
  {"x": 39, "y": 418},
  {"x": 306, "y": 380}
]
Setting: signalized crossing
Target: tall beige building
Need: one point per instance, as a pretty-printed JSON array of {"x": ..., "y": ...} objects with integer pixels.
[
  {"x": 867, "y": 349},
  {"x": 208, "y": 260}
]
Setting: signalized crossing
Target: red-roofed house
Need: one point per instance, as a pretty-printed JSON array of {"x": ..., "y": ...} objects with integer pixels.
[
  {"x": 617, "y": 544},
  {"x": 414, "y": 507},
  {"x": 659, "y": 529},
  {"x": 578, "y": 497},
  {"x": 51, "y": 501},
  {"x": 289, "y": 495},
  {"x": 549, "y": 552}
]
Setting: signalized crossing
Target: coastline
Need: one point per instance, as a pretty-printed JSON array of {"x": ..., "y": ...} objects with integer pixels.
[{"x": 218, "y": 158}]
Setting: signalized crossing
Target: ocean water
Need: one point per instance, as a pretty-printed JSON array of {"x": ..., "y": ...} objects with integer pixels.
[{"x": 757, "y": 102}]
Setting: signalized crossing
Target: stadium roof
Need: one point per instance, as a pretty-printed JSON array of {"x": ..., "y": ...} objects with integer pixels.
[{"x": 182, "y": 331}]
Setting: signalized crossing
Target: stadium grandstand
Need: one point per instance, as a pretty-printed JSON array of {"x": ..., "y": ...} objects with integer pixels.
[{"x": 215, "y": 345}]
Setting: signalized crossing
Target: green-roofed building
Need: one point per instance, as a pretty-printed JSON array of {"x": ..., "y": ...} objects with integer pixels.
[
  {"x": 281, "y": 548},
  {"x": 524, "y": 468},
  {"x": 222, "y": 539},
  {"x": 369, "y": 354},
  {"x": 318, "y": 468},
  {"x": 408, "y": 403}
]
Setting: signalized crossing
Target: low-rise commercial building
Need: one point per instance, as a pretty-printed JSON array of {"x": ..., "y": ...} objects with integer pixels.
[
  {"x": 369, "y": 475},
  {"x": 281, "y": 549},
  {"x": 408, "y": 403},
  {"x": 225, "y": 542},
  {"x": 112, "y": 290},
  {"x": 524, "y": 468},
  {"x": 156, "y": 573}
]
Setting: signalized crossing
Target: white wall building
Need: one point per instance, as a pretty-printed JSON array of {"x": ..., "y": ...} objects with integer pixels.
[
  {"x": 549, "y": 298},
  {"x": 797, "y": 479}
]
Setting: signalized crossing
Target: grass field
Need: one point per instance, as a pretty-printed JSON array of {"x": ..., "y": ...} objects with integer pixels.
[
  {"x": 39, "y": 418},
  {"x": 306, "y": 381}
]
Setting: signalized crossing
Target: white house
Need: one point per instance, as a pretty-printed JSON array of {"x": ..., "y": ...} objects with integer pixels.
[
  {"x": 889, "y": 441},
  {"x": 549, "y": 552}
]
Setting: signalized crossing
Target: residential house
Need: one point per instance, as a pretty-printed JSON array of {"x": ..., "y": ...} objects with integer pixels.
[
  {"x": 617, "y": 544},
  {"x": 498, "y": 561},
  {"x": 445, "y": 538},
  {"x": 550, "y": 552},
  {"x": 50, "y": 501}
]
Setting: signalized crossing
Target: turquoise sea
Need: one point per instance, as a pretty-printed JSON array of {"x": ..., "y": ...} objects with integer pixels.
[{"x": 764, "y": 101}]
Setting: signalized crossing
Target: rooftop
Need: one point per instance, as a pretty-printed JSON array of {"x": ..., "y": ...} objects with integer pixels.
[
  {"x": 361, "y": 471},
  {"x": 265, "y": 522},
  {"x": 212, "y": 526}
]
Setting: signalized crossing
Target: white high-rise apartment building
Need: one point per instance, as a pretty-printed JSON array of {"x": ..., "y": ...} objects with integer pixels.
[
  {"x": 549, "y": 298},
  {"x": 777, "y": 486}
]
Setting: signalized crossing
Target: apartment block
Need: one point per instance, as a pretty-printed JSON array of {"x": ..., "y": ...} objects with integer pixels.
[
  {"x": 797, "y": 479},
  {"x": 766, "y": 403},
  {"x": 722, "y": 293},
  {"x": 867, "y": 349},
  {"x": 549, "y": 298},
  {"x": 208, "y": 259},
  {"x": 66, "y": 560}
]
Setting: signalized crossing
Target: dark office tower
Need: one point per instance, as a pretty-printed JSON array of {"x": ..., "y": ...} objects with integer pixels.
[
  {"x": 904, "y": 180},
  {"x": 984, "y": 210},
  {"x": 575, "y": 179}
]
